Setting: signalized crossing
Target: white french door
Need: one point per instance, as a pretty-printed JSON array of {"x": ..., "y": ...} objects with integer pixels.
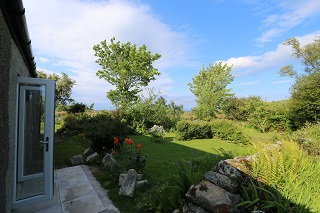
[{"x": 33, "y": 179}]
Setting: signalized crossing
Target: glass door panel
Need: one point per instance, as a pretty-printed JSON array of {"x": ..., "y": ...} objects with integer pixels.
[{"x": 34, "y": 167}]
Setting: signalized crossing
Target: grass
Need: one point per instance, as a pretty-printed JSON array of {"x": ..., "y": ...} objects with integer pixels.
[
  {"x": 162, "y": 163},
  {"x": 162, "y": 157},
  {"x": 65, "y": 148}
]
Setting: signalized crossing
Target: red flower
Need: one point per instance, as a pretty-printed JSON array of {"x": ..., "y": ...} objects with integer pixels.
[
  {"x": 139, "y": 145},
  {"x": 113, "y": 152},
  {"x": 128, "y": 141},
  {"x": 115, "y": 141}
]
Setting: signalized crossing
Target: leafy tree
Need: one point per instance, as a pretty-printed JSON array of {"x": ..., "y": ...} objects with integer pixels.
[
  {"x": 153, "y": 110},
  {"x": 76, "y": 108},
  {"x": 126, "y": 67},
  {"x": 305, "y": 92},
  {"x": 209, "y": 87},
  {"x": 64, "y": 86}
]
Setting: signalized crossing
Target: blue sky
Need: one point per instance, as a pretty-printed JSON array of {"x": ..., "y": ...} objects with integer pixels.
[{"x": 189, "y": 34}]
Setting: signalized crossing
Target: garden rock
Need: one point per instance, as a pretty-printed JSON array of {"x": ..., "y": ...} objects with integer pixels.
[
  {"x": 108, "y": 160},
  {"x": 140, "y": 177},
  {"x": 140, "y": 183},
  {"x": 92, "y": 157},
  {"x": 129, "y": 183},
  {"x": 87, "y": 152},
  {"x": 212, "y": 198},
  {"x": 77, "y": 160},
  {"x": 222, "y": 181},
  {"x": 225, "y": 169},
  {"x": 240, "y": 163}
]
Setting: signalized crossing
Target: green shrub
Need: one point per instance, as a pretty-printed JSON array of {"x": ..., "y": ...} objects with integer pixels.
[
  {"x": 102, "y": 128},
  {"x": 76, "y": 108},
  {"x": 188, "y": 130},
  {"x": 228, "y": 130},
  {"x": 309, "y": 138},
  {"x": 218, "y": 128},
  {"x": 74, "y": 124}
]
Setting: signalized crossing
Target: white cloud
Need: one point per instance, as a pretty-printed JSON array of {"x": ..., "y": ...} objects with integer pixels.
[
  {"x": 275, "y": 59},
  {"x": 296, "y": 12},
  {"x": 43, "y": 59},
  {"x": 64, "y": 33},
  {"x": 249, "y": 83},
  {"x": 281, "y": 82}
]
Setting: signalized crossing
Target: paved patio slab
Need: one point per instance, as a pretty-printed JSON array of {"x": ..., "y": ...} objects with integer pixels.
[{"x": 76, "y": 190}]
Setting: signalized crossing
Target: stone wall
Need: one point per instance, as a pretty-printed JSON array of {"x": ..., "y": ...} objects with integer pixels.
[{"x": 11, "y": 65}]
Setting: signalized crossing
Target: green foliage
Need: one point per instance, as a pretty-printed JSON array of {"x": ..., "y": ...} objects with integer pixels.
[
  {"x": 218, "y": 129},
  {"x": 289, "y": 170},
  {"x": 236, "y": 108},
  {"x": 305, "y": 99},
  {"x": 157, "y": 134},
  {"x": 228, "y": 130},
  {"x": 188, "y": 130},
  {"x": 305, "y": 92},
  {"x": 171, "y": 194},
  {"x": 74, "y": 124},
  {"x": 153, "y": 110},
  {"x": 309, "y": 138},
  {"x": 76, "y": 108},
  {"x": 100, "y": 129},
  {"x": 259, "y": 114},
  {"x": 64, "y": 86},
  {"x": 126, "y": 67},
  {"x": 129, "y": 156},
  {"x": 209, "y": 87}
]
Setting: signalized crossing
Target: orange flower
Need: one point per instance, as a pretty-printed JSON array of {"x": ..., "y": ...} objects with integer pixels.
[
  {"x": 113, "y": 152},
  {"x": 115, "y": 141},
  {"x": 139, "y": 145}
]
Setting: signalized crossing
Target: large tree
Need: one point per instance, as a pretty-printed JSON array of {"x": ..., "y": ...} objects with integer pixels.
[
  {"x": 126, "y": 67},
  {"x": 305, "y": 92},
  {"x": 64, "y": 86},
  {"x": 209, "y": 87}
]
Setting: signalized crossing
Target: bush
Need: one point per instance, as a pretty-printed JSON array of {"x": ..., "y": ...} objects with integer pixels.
[
  {"x": 228, "y": 130},
  {"x": 219, "y": 129},
  {"x": 102, "y": 128},
  {"x": 157, "y": 134},
  {"x": 76, "y": 108},
  {"x": 309, "y": 138},
  {"x": 74, "y": 124},
  {"x": 188, "y": 130}
]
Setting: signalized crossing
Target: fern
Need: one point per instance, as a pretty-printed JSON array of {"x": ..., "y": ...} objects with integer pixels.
[{"x": 293, "y": 176}]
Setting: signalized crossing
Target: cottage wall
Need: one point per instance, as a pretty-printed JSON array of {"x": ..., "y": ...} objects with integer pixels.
[{"x": 11, "y": 65}]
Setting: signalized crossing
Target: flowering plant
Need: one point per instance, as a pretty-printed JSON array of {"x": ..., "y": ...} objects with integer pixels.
[
  {"x": 157, "y": 133},
  {"x": 129, "y": 151}
]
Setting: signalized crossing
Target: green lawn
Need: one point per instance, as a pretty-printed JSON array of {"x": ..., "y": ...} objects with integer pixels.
[
  {"x": 163, "y": 156},
  {"x": 161, "y": 163}
]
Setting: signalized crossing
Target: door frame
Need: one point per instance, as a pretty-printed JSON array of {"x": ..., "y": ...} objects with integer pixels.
[{"x": 47, "y": 148}]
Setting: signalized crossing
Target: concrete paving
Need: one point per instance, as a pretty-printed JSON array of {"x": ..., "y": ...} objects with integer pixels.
[{"x": 75, "y": 190}]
